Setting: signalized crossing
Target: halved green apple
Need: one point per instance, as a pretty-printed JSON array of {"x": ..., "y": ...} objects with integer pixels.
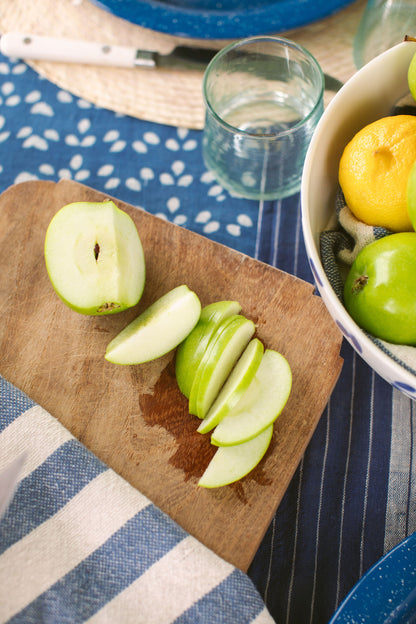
[
  {"x": 94, "y": 258},
  {"x": 257, "y": 409},
  {"x": 231, "y": 463},
  {"x": 191, "y": 350},
  {"x": 220, "y": 357},
  {"x": 235, "y": 386},
  {"x": 158, "y": 330}
]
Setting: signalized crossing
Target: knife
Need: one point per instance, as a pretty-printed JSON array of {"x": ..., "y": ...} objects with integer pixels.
[
  {"x": 9, "y": 478},
  {"x": 43, "y": 48}
]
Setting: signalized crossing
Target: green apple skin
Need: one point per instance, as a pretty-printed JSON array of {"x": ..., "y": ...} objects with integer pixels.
[
  {"x": 222, "y": 353},
  {"x": 237, "y": 383},
  {"x": 380, "y": 289},
  {"x": 411, "y": 193},
  {"x": 411, "y": 76},
  {"x": 232, "y": 463},
  {"x": 191, "y": 350},
  {"x": 261, "y": 404},
  {"x": 94, "y": 258},
  {"x": 158, "y": 330}
]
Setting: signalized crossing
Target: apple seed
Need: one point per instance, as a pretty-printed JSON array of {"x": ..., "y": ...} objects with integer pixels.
[{"x": 106, "y": 307}]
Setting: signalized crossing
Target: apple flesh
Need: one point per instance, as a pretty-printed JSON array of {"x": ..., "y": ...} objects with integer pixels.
[
  {"x": 235, "y": 386},
  {"x": 191, "y": 350},
  {"x": 94, "y": 258},
  {"x": 158, "y": 330},
  {"x": 262, "y": 403},
  {"x": 231, "y": 463},
  {"x": 222, "y": 353}
]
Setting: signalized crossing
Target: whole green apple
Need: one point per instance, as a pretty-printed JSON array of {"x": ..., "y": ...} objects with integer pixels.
[
  {"x": 94, "y": 258},
  {"x": 380, "y": 290}
]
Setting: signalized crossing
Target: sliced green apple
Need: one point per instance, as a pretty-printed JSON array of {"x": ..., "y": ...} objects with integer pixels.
[
  {"x": 191, "y": 350},
  {"x": 235, "y": 386},
  {"x": 254, "y": 413},
  {"x": 231, "y": 463},
  {"x": 158, "y": 330},
  {"x": 222, "y": 353},
  {"x": 94, "y": 258}
]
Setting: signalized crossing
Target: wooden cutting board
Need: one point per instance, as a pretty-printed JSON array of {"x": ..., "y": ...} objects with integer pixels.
[{"x": 134, "y": 418}]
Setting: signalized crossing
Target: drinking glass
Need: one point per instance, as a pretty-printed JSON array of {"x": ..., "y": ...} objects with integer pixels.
[
  {"x": 384, "y": 24},
  {"x": 263, "y": 98}
]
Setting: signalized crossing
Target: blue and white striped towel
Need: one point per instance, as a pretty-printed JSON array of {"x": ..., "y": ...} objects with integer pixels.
[{"x": 78, "y": 543}]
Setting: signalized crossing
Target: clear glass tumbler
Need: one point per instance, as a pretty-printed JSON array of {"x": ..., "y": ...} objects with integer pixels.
[
  {"x": 263, "y": 98},
  {"x": 384, "y": 24}
]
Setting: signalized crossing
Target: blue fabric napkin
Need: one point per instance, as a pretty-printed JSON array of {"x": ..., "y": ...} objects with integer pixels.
[{"x": 78, "y": 543}]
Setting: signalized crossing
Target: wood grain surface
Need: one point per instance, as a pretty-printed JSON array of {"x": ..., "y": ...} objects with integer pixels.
[{"x": 134, "y": 418}]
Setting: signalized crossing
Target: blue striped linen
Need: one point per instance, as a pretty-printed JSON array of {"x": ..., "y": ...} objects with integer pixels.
[
  {"x": 78, "y": 543},
  {"x": 353, "y": 496}
]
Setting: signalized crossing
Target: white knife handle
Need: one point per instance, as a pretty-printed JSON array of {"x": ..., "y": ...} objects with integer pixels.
[{"x": 38, "y": 47}]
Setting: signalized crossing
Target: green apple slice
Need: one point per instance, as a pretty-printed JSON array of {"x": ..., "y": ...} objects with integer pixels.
[
  {"x": 158, "y": 330},
  {"x": 222, "y": 326},
  {"x": 235, "y": 386},
  {"x": 94, "y": 258},
  {"x": 222, "y": 353},
  {"x": 231, "y": 463},
  {"x": 191, "y": 350},
  {"x": 273, "y": 383}
]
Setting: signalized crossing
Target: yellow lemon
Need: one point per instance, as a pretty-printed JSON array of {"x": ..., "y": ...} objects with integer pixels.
[{"x": 374, "y": 170}]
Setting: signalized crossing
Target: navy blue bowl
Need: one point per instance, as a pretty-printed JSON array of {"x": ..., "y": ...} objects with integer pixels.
[
  {"x": 386, "y": 594},
  {"x": 221, "y": 19}
]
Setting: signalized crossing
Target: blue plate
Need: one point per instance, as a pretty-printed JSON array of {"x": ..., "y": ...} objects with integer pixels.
[
  {"x": 386, "y": 593},
  {"x": 221, "y": 19}
]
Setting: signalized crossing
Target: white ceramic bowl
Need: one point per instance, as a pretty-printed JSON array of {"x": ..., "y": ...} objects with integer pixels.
[{"x": 370, "y": 94}]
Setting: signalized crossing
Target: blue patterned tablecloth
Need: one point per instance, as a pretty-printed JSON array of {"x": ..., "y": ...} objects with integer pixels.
[{"x": 353, "y": 496}]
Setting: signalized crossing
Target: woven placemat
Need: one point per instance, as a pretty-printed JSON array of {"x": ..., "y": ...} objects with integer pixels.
[{"x": 164, "y": 96}]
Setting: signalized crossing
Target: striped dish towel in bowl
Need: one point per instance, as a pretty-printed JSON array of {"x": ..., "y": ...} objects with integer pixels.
[
  {"x": 78, "y": 543},
  {"x": 339, "y": 247}
]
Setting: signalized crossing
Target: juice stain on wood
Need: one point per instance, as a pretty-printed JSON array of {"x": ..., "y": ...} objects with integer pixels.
[{"x": 167, "y": 407}]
